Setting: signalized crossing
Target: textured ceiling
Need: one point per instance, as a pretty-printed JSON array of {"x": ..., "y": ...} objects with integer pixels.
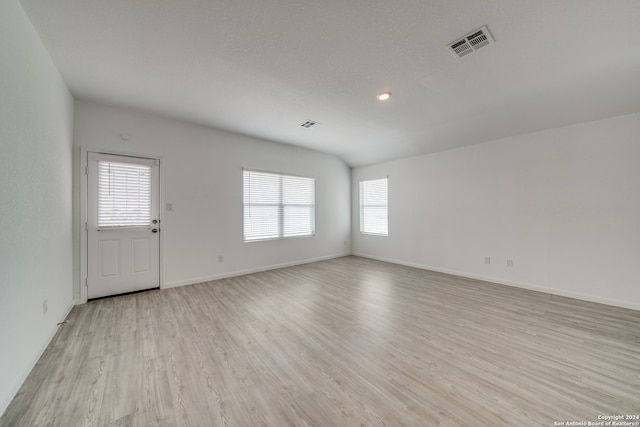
[{"x": 262, "y": 68}]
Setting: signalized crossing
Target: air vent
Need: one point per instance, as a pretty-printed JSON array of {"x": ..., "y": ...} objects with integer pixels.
[
  {"x": 309, "y": 124},
  {"x": 471, "y": 42}
]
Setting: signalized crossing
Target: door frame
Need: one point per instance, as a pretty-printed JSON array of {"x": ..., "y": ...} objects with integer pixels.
[{"x": 84, "y": 187}]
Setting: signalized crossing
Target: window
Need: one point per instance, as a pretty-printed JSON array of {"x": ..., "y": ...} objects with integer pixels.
[
  {"x": 373, "y": 207},
  {"x": 277, "y": 206},
  {"x": 124, "y": 194}
]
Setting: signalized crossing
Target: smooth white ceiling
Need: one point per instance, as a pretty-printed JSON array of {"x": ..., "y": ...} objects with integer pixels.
[{"x": 263, "y": 67}]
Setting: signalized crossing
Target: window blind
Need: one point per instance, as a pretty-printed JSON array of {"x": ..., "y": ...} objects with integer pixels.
[
  {"x": 277, "y": 206},
  {"x": 124, "y": 194},
  {"x": 374, "y": 207}
]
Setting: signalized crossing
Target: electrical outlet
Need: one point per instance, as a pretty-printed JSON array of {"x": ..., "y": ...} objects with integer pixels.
[
  {"x": 169, "y": 207},
  {"x": 509, "y": 263},
  {"x": 220, "y": 258},
  {"x": 44, "y": 307},
  {"x": 487, "y": 260},
  {"x": 345, "y": 243}
]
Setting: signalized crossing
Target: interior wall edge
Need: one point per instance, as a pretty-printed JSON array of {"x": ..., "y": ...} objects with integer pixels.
[
  {"x": 54, "y": 330},
  {"x": 515, "y": 284},
  {"x": 237, "y": 273}
]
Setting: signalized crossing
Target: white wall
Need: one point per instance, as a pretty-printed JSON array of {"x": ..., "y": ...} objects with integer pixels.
[
  {"x": 564, "y": 204},
  {"x": 202, "y": 178},
  {"x": 36, "y": 113}
]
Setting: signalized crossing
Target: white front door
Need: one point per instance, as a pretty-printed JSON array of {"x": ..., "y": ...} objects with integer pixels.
[{"x": 123, "y": 226}]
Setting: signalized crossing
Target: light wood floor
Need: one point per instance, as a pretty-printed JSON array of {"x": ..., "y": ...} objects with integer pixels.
[{"x": 346, "y": 342}]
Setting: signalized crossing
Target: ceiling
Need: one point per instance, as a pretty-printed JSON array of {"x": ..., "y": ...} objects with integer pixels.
[{"x": 262, "y": 68}]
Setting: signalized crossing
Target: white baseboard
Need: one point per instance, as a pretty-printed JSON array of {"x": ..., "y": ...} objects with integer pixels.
[
  {"x": 24, "y": 376},
  {"x": 235, "y": 273},
  {"x": 529, "y": 286}
]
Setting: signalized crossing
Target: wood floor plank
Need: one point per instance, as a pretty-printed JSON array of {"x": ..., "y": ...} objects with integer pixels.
[{"x": 345, "y": 342}]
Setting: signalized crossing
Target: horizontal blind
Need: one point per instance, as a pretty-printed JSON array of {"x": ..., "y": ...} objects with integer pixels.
[
  {"x": 298, "y": 200},
  {"x": 124, "y": 194},
  {"x": 277, "y": 206},
  {"x": 261, "y": 205},
  {"x": 374, "y": 207}
]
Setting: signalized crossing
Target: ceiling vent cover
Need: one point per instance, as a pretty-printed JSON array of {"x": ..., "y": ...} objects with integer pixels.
[
  {"x": 309, "y": 124},
  {"x": 471, "y": 42}
]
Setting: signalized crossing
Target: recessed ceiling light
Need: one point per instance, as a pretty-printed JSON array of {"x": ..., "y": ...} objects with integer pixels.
[{"x": 383, "y": 96}]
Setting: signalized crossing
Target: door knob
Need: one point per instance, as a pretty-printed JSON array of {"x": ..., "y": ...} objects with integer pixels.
[{"x": 154, "y": 230}]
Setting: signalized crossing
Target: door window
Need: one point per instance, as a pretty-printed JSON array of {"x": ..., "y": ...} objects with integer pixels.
[{"x": 124, "y": 195}]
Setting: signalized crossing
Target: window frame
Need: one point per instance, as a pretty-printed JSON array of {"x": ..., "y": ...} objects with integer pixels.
[
  {"x": 362, "y": 207},
  {"x": 280, "y": 205}
]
